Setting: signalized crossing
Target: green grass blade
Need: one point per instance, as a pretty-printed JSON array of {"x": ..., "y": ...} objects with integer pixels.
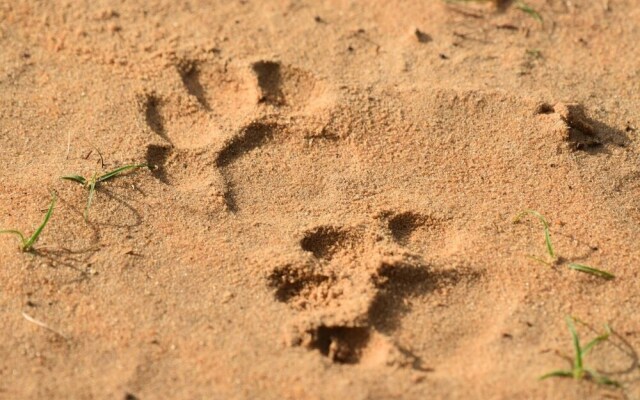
[
  {"x": 562, "y": 373},
  {"x": 536, "y": 214},
  {"x": 547, "y": 240},
  {"x": 577, "y": 362},
  {"x": 540, "y": 260},
  {"x": 545, "y": 225},
  {"x": 594, "y": 342},
  {"x": 29, "y": 243},
  {"x": 92, "y": 190},
  {"x": 592, "y": 271},
  {"x": 14, "y": 232},
  {"x": 522, "y": 6},
  {"x": 601, "y": 379},
  {"x": 118, "y": 171},
  {"x": 75, "y": 178}
]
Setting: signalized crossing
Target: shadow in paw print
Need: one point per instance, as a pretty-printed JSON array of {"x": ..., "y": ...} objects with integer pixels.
[
  {"x": 269, "y": 82},
  {"x": 582, "y": 132},
  {"x": 341, "y": 344},
  {"x": 252, "y": 136},
  {"x": 401, "y": 283},
  {"x": 351, "y": 288},
  {"x": 416, "y": 231},
  {"x": 325, "y": 241},
  {"x": 293, "y": 282},
  {"x": 198, "y": 99},
  {"x": 360, "y": 345},
  {"x": 150, "y": 104},
  {"x": 156, "y": 158},
  {"x": 403, "y": 225},
  {"x": 326, "y": 278},
  {"x": 190, "y": 75}
]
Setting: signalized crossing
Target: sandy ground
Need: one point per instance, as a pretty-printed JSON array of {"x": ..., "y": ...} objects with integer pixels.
[{"x": 329, "y": 212}]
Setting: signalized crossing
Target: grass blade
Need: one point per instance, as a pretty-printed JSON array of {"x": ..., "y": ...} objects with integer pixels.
[
  {"x": 601, "y": 338},
  {"x": 592, "y": 271},
  {"x": 119, "y": 171},
  {"x": 29, "y": 242},
  {"x": 14, "y": 232},
  {"x": 540, "y": 260},
  {"x": 594, "y": 342},
  {"x": 601, "y": 379},
  {"x": 75, "y": 178},
  {"x": 562, "y": 373},
  {"x": 93, "y": 182},
  {"x": 522, "y": 6},
  {"x": 545, "y": 224},
  {"x": 547, "y": 240},
  {"x": 577, "y": 362}
]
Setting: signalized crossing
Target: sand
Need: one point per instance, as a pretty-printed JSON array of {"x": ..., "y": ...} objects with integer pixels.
[{"x": 329, "y": 212}]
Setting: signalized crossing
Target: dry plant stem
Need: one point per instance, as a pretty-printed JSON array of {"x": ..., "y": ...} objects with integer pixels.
[{"x": 43, "y": 325}]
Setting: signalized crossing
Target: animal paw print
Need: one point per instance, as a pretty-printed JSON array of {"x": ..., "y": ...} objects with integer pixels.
[
  {"x": 579, "y": 131},
  {"x": 337, "y": 281},
  {"x": 196, "y": 111},
  {"x": 283, "y": 86}
]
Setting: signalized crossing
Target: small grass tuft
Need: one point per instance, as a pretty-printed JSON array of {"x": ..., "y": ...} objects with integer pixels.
[
  {"x": 92, "y": 182},
  {"x": 555, "y": 260},
  {"x": 579, "y": 371},
  {"x": 26, "y": 243},
  {"x": 545, "y": 225}
]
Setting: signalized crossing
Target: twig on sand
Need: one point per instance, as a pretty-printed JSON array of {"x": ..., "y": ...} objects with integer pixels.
[{"x": 43, "y": 325}]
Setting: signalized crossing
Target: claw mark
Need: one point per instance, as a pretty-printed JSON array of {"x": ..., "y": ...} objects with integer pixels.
[
  {"x": 294, "y": 283},
  {"x": 190, "y": 75},
  {"x": 341, "y": 344},
  {"x": 252, "y": 136},
  {"x": 270, "y": 82},
  {"x": 156, "y": 158},
  {"x": 150, "y": 106},
  {"x": 582, "y": 134},
  {"x": 325, "y": 241}
]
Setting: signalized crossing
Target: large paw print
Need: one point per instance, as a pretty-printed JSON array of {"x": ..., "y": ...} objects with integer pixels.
[
  {"x": 204, "y": 113},
  {"x": 336, "y": 282}
]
